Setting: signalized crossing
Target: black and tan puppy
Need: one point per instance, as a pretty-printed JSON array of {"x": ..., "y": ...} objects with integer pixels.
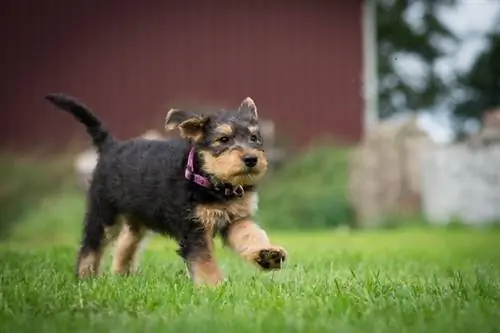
[{"x": 189, "y": 189}]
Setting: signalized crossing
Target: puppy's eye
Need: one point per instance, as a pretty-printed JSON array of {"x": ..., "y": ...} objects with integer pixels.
[
  {"x": 253, "y": 138},
  {"x": 224, "y": 139}
]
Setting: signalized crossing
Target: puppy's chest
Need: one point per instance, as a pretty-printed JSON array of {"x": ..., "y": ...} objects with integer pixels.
[{"x": 217, "y": 216}]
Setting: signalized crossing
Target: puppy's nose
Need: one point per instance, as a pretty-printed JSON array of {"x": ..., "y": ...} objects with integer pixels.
[{"x": 250, "y": 160}]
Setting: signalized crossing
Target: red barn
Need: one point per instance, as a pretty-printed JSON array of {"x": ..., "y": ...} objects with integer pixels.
[{"x": 302, "y": 61}]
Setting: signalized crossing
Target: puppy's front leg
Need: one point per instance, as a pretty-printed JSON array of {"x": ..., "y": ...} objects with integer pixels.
[
  {"x": 197, "y": 249},
  {"x": 251, "y": 242}
]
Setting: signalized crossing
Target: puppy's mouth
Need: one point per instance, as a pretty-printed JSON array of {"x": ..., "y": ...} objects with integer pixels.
[
  {"x": 248, "y": 172},
  {"x": 246, "y": 177}
]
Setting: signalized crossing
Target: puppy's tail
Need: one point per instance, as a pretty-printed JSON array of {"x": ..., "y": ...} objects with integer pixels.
[{"x": 100, "y": 136}]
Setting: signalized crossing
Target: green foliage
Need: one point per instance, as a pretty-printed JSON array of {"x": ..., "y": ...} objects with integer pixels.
[
  {"x": 59, "y": 216},
  {"x": 397, "y": 37},
  {"x": 309, "y": 192},
  {"x": 25, "y": 182},
  {"x": 398, "y": 281},
  {"x": 482, "y": 82}
]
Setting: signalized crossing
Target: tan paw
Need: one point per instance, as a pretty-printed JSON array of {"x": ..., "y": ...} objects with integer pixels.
[{"x": 271, "y": 258}]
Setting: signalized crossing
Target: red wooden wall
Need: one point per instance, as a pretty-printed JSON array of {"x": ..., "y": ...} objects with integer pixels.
[{"x": 132, "y": 60}]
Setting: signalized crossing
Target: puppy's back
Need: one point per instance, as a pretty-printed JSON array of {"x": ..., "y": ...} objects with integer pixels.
[{"x": 141, "y": 170}]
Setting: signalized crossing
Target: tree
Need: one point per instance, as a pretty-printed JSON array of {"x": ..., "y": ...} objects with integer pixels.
[
  {"x": 481, "y": 83},
  {"x": 398, "y": 38}
]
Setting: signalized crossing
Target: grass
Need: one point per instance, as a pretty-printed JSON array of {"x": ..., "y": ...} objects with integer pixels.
[
  {"x": 402, "y": 280},
  {"x": 412, "y": 280}
]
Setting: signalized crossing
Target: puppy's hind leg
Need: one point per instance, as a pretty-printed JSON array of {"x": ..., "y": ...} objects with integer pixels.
[
  {"x": 125, "y": 259},
  {"x": 98, "y": 218}
]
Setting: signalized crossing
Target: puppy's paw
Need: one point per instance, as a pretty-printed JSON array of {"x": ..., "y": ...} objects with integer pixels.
[{"x": 271, "y": 258}]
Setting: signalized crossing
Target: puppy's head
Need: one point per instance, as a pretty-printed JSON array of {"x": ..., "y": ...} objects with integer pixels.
[{"x": 229, "y": 142}]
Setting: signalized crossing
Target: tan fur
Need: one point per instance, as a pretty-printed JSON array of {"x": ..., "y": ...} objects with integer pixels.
[
  {"x": 228, "y": 167},
  {"x": 224, "y": 129},
  {"x": 210, "y": 216},
  {"x": 246, "y": 238},
  {"x": 126, "y": 248},
  {"x": 125, "y": 256},
  {"x": 192, "y": 129},
  {"x": 111, "y": 233},
  {"x": 88, "y": 265},
  {"x": 214, "y": 216},
  {"x": 205, "y": 272},
  {"x": 203, "y": 268},
  {"x": 251, "y": 242}
]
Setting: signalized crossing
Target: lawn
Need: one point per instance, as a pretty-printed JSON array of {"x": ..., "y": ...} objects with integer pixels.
[
  {"x": 411, "y": 280},
  {"x": 406, "y": 280}
]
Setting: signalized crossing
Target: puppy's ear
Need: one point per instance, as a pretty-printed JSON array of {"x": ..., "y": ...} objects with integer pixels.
[
  {"x": 175, "y": 117},
  {"x": 248, "y": 108},
  {"x": 189, "y": 123}
]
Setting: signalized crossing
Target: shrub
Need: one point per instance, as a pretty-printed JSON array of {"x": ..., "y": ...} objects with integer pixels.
[
  {"x": 309, "y": 192},
  {"x": 25, "y": 183}
]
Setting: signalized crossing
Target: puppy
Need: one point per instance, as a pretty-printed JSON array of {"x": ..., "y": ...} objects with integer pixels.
[{"x": 190, "y": 188}]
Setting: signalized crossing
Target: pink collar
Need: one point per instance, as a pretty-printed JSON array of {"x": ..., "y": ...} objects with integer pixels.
[{"x": 191, "y": 175}]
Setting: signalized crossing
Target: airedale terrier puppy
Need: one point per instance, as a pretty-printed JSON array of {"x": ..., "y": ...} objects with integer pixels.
[{"x": 189, "y": 188}]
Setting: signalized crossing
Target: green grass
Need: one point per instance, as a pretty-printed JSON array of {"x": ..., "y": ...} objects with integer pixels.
[
  {"x": 380, "y": 281},
  {"x": 406, "y": 280}
]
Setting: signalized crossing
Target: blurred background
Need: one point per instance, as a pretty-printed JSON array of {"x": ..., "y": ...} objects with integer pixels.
[{"x": 376, "y": 113}]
